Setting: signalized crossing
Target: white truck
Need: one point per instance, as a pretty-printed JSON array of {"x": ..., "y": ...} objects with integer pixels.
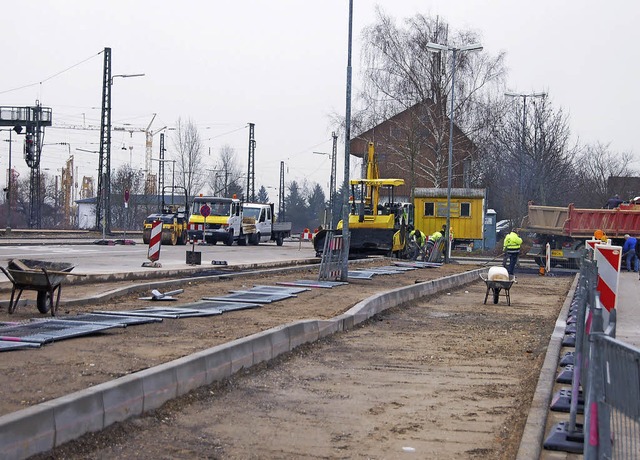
[{"x": 258, "y": 219}]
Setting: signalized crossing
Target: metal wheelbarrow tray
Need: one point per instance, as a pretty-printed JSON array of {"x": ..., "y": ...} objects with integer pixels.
[
  {"x": 37, "y": 275},
  {"x": 495, "y": 286}
]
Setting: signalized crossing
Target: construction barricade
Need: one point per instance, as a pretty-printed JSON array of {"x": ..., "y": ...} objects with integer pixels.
[
  {"x": 604, "y": 373},
  {"x": 331, "y": 262},
  {"x": 155, "y": 242}
]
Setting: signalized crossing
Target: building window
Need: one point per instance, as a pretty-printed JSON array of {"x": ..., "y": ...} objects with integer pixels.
[
  {"x": 465, "y": 209},
  {"x": 429, "y": 209}
]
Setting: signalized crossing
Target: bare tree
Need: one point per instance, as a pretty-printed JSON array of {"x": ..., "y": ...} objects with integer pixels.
[
  {"x": 226, "y": 178},
  {"x": 402, "y": 74},
  {"x": 530, "y": 159},
  {"x": 595, "y": 165},
  {"x": 189, "y": 157},
  {"x": 131, "y": 217}
]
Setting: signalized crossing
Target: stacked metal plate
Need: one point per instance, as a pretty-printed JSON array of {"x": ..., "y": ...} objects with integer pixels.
[
  {"x": 45, "y": 331},
  {"x": 360, "y": 274},
  {"x": 118, "y": 321},
  {"x": 9, "y": 346},
  {"x": 220, "y": 305},
  {"x": 279, "y": 289},
  {"x": 312, "y": 283},
  {"x": 416, "y": 264},
  {"x": 162, "y": 312},
  {"x": 252, "y": 297}
]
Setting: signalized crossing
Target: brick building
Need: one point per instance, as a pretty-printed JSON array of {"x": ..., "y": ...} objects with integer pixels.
[{"x": 417, "y": 140}]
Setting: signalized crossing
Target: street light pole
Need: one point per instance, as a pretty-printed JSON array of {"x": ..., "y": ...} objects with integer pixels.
[
  {"x": 436, "y": 48},
  {"x": 346, "y": 237},
  {"x": 523, "y": 138}
]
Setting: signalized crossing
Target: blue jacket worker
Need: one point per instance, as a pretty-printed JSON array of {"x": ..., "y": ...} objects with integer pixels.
[{"x": 629, "y": 252}]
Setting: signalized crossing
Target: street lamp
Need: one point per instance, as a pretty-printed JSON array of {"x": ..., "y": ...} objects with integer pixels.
[
  {"x": 523, "y": 140},
  {"x": 437, "y": 48}
]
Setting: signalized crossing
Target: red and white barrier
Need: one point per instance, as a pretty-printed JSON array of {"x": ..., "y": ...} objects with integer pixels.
[
  {"x": 609, "y": 260},
  {"x": 306, "y": 235},
  {"x": 155, "y": 241},
  {"x": 195, "y": 227}
]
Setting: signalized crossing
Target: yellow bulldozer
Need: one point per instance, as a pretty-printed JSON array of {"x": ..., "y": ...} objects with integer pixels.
[{"x": 375, "y": 227}]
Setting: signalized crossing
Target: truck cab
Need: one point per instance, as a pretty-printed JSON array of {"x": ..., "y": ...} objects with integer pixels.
[
  {"x": 260, "y": 215},
  {"x": 216, "y": 219}
]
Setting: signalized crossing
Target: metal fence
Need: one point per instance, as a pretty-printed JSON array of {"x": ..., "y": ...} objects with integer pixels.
[
  {"x": 608, "y": 371},
  {"x": 331, "y": 262}
]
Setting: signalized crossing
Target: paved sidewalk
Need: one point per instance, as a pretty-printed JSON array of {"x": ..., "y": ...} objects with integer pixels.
[{"x": 628, "y": 309}]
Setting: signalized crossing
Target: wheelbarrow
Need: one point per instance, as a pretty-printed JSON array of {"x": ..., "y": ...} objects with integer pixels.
[
  {"x": 495, "y": 286},
  {"x": 37, "y": 275}
]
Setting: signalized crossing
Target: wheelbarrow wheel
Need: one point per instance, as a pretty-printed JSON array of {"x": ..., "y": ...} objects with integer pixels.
[
  {"x": 496, "y": 295},
  {"x": 43, "y": 302}
]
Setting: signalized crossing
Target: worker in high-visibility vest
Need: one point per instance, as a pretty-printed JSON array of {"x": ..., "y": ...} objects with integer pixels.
[{"x": 511, "y": 247}]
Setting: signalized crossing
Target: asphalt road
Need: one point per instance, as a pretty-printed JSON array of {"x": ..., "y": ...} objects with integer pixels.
[{"x": 99, "y": 259}]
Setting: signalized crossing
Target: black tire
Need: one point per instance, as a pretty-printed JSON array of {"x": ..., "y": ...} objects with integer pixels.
[
  {"x": 242, "y": 239},
  {"x": 42, "y": 302},
  {"x": 279, "y": 240},
  {"x": 182, "y": 241},
  {"x": 496, "y": 295},
  {"x": 229, "y": 240}
]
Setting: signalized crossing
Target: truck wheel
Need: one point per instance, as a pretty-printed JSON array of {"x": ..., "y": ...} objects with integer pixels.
[
  {"x": 146, "y": 235},
  {"x": 279, "y": 240},
  {"x": 242, "y": 239},
  {"x": 256, "y": 239},
  {"x": 229, "y": 240},
  {"x": 42, "y": 302}
]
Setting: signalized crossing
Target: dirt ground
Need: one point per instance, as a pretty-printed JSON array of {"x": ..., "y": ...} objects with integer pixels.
[{"x": 443, "y": 377}]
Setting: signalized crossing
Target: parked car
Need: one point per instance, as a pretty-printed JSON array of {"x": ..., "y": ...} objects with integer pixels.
[{"x": 503, "y": 227}]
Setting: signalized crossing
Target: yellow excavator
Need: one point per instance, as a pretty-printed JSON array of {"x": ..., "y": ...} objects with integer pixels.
[{"x": 375, "y": 228}]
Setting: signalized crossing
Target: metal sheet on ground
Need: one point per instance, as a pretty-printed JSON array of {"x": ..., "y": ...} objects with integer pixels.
[
  {"x": 122, "y": 321},
  {"x": 397, "y": 268},
  {"x": 419, "y": 264},
  {"x": 312, "y": 283},
  {"x": 160, "y": 312},
  {"x": 45, "y": 331},
  {"x": 254, "y": 297},
  {"x": 9, "y": 346},
  {"x": 225, "y": 306},
  {"x": 278, "y": 289},
  {"x": 221, "y": 306},
  {"x": 360, "y": 275},
  {"x": 381, "y": 271}
]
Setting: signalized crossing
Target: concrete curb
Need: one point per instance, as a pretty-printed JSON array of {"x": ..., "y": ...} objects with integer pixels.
[
  {"x": 42, "y": 427},
  {"x": 532, "y": 436}
]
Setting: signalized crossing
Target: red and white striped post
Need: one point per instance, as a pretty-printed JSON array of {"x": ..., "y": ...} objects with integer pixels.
[
  {"x": 155, "y": 241},
  {"x": 609, "y": 259}
]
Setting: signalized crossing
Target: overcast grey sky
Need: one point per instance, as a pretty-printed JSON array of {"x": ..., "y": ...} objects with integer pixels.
[{"x": 281, "y": 64}]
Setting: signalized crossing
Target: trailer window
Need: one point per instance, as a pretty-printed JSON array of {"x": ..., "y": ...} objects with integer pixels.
[
  {"x": 429, "y": 209},
  {"x": 465, "y": 209}
]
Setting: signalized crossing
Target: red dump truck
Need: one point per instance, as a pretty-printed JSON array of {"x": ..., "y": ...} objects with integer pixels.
[{"x": 566, "y": 229}]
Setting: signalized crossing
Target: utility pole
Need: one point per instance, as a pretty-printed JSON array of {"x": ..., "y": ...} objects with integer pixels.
[
  {"x": 346, "y": 237},
  {"x": 103, "y": 213},
  {"x": 251, "y": 172},
  {"x": 332, "y": 182},
  {"x": 281, "y": 194}
]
